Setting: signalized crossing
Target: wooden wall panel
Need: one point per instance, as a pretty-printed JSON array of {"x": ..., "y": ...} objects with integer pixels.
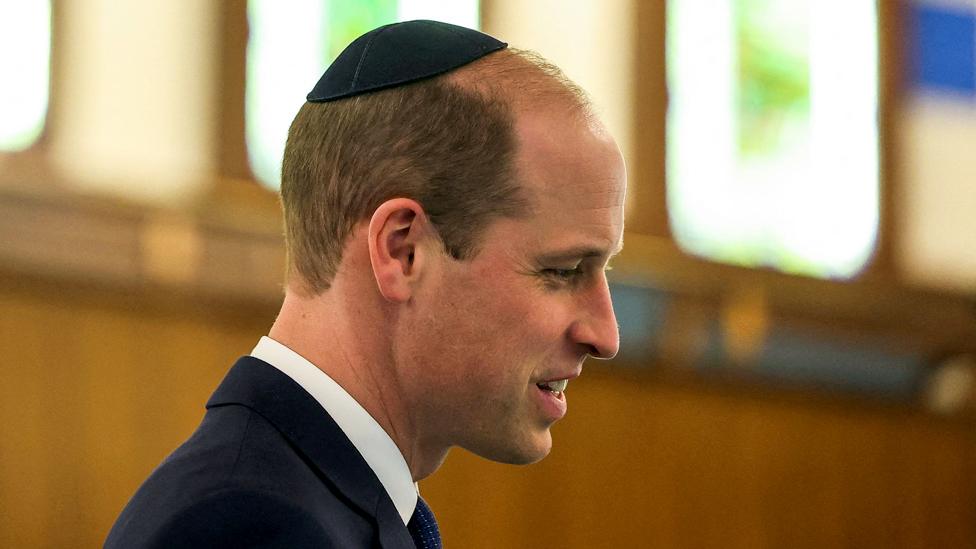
[
  {"x": 97, "y": 386},
  {"x": 657, "y": 464},
  {"x": 95, "y": 389}
]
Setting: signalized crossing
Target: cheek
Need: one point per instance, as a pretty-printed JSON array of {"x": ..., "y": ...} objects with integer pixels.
[
  {"x": 525, "y": 301},
  {"x": 475, "y": 335},
  {"x": 496, "y": 327}
]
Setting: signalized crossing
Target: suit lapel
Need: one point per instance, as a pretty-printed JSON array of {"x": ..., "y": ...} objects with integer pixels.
[{"x": 297, "y": 415}]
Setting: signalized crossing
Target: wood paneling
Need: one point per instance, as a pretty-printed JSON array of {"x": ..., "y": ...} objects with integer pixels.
[
  {"x": 97, "y": 386},
  {"x": 654, "y": 464}
]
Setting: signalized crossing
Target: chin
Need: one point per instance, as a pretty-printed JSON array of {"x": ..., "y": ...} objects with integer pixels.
[{"x": 530, "y": 450}]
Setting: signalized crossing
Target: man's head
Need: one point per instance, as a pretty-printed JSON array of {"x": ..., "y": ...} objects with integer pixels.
[
  {"x": 446, "y": 142},
  {"x": 488, "y": 201}
]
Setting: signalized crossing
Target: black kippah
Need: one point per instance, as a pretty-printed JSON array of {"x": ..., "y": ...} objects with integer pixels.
[{"x": 400, "y": 53}]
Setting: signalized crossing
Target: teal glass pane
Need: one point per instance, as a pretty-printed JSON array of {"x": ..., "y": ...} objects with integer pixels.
[
  {"x": 291, "y": 43},
  {"x": 25, "y": 63},
  {"x": 772, "y": 132}
]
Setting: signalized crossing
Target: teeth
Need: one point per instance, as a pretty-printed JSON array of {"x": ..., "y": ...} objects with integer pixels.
[{"x": 556, "y": 386}]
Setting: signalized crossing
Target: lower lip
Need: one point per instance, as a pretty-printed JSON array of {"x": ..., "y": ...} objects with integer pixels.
[{"x": 552, "y": 404}]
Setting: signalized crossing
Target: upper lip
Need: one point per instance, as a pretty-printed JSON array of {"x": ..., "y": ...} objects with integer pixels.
[{"x": 571, "y": 375}]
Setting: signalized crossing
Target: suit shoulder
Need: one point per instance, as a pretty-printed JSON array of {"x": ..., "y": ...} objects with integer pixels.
[
  {"x": 234, "y": 518},
  {"x": 237, "y": 479},
  {"x": 242, "y": 518}
]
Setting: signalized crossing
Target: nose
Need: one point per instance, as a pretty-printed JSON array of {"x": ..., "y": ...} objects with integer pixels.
[{"x": 596, "y": 327}]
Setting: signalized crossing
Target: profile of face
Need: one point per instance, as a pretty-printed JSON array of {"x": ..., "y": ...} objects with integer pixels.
[{"x": 494, "y": 338}]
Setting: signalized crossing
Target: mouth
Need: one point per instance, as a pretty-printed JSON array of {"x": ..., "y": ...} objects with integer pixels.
[
  {"x": 551, "y": 399},
  {"x": 555, "y": 387}
]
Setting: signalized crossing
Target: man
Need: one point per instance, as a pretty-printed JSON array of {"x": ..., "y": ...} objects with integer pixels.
[{"x": 450, "y": 208}]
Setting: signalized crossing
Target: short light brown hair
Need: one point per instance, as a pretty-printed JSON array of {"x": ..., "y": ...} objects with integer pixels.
[{"x": 447, "y": 142}]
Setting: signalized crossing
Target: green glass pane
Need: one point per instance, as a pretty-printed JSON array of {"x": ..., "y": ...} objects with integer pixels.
[
  {"x": 346, "y": 20},
  {"x": 772, "y": 136},
  {"x": 773, "y": 73}
]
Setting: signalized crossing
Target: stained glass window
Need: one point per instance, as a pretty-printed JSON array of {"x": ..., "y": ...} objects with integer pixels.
[
  {"x": 291, "y": 43},
  {"x": 772, "y": 132},
  {"x": 25, "y": 63}
]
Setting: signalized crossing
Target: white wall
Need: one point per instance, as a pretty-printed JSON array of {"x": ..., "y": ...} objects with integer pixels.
[
  {"x": 591, "y": 40},
  {"x": 937, "y": 219},
  {"x": 135, "y": 92}
]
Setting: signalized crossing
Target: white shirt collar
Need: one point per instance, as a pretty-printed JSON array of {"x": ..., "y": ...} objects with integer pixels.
[{"x": 378, "y": 449}]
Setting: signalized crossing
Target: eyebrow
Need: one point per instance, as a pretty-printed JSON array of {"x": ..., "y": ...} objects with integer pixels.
[{"x": 579, "y": 252}]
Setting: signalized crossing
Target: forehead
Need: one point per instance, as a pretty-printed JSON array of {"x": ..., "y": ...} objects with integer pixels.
[{"x": 573, "y": 174}]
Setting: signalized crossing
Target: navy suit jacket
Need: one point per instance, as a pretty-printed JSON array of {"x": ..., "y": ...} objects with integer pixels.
[{"x": 267, "y": 467}]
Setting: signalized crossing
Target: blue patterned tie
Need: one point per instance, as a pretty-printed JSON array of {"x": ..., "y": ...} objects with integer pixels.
[{"x": 423, "y": 527}]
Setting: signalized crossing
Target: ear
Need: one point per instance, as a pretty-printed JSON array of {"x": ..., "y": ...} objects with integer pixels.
[{"x": 396, "y": 235}]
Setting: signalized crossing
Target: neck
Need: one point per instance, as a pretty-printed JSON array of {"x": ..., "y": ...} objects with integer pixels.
[{"x": 342, "y": 339}]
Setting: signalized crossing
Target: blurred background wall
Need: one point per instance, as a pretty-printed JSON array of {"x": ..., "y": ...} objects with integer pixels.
[{"x": 796, "y": 294}]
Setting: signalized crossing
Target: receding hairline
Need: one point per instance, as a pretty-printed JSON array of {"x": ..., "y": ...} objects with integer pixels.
[
  {"x": 523, "y": 79},
  {"x": 531, "y": 87}
]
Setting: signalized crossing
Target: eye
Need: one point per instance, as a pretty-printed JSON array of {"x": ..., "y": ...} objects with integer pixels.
[{"x": 564, "y": 274}]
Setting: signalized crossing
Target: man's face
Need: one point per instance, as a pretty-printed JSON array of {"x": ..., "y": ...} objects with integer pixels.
[{"x": 490, "y": 332}]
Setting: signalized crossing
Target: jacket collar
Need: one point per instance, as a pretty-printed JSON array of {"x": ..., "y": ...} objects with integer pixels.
[{"x": 276, "y": 397}]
